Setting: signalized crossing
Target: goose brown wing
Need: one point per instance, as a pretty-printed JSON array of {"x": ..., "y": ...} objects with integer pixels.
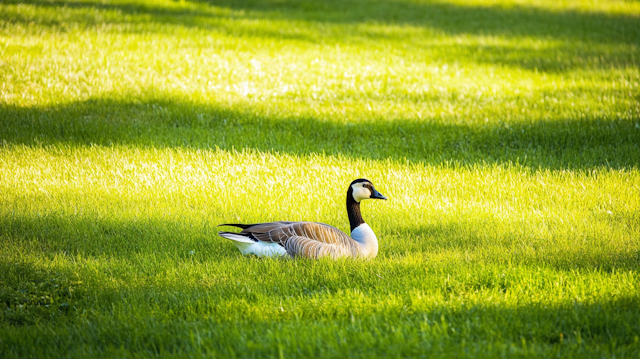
[
  {"x": 298, "y": 246},
  {"x": 280, "y": 232}
]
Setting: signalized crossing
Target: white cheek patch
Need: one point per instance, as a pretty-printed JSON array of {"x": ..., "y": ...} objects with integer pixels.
[{"x": 360, "y": 192}]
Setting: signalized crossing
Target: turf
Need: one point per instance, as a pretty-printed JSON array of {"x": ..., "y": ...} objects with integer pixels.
[{"x": 505, "y": 133}]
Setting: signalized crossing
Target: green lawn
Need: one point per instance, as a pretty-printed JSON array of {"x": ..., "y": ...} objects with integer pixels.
[{"x": 506, "y": 134}]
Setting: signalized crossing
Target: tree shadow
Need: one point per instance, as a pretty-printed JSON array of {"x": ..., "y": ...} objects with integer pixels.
[
  {"x": 453, "y": 19},
  {"x": 577, "y": 39},
  {"x": 142, "y": 319},
  {"x": 579, "y": 144}
]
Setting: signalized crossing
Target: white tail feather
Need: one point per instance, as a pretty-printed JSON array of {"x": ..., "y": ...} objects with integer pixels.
[
  {"x": 236, "y": 237},
  {"x": 259, "y": 248}
]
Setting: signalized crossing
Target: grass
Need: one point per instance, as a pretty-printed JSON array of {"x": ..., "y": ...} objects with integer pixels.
[{"x": 505, "y": 133}]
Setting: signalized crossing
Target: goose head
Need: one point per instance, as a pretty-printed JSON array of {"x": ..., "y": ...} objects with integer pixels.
[{"x": 362, "y": 189}]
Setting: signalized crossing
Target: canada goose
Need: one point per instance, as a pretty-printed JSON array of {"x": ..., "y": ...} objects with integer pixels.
[{"x": 310, "y": 239}]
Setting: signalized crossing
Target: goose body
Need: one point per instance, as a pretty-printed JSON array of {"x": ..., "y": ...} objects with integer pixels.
[{"x": 312, "y": 239}]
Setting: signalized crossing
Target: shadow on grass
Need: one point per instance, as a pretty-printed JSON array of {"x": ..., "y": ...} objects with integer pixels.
[
  {"x": 451, "y": 18},
  {"x": 579, "y": 144},
  {"x": 582, "y": 38},
  {"x": 455, "y": 19},
  {"x": 442, "y": 333},
  {"x": 148, "y": 319}
]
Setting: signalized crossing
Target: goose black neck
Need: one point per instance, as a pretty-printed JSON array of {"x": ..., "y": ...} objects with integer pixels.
[{"x": 353, "y": 210}]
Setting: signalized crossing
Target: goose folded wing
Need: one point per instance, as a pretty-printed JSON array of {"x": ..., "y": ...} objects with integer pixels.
[
  {"x": 298, "y": 246},
  {"x": 281, "y": 232}
]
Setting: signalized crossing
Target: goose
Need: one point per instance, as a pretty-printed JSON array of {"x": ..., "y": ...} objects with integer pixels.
[{"x": 312, "y": 239}]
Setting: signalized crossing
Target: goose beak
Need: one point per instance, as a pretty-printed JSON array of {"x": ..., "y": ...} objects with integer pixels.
[{"x": 377, "y": 195}]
